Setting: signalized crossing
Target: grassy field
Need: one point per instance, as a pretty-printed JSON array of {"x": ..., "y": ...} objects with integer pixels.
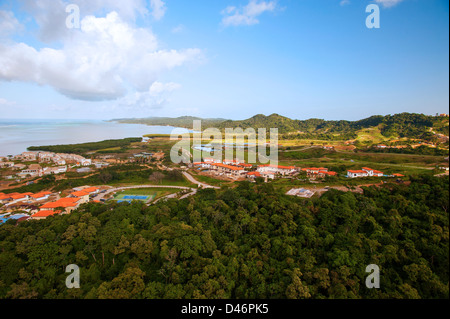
[
  {"x": 209, "y": 179},
  {"x": 371, "y": 135}
]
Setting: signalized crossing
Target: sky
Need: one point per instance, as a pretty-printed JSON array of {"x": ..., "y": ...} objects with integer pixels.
[{"x": 222, "y": 59}]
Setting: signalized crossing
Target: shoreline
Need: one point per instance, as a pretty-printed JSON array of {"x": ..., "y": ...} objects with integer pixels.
[{"x": 18, "y": 136}]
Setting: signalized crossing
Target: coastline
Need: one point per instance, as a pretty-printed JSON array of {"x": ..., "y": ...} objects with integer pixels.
[{"x": 16, "y": 136}]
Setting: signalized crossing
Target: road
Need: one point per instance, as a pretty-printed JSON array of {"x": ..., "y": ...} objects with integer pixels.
[
  {"x": 200, "y": 184},
  {"x": 192, "y": 192}
]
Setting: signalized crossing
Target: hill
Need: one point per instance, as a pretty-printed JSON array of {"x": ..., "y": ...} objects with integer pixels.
[
  {"x": 183, "y": 121},
  {"x": 404, "y": 125}
]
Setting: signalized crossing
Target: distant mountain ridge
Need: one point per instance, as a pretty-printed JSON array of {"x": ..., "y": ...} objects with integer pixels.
[
  {"x": 183, "y": 121},
  {"x": 410, "y": 125}
]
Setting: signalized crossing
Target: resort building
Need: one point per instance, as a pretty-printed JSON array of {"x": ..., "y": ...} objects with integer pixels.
[
  {"x": 27, "y": 156},
  {"x": 6, "y": 164},
  {"x": 69, "y": 204},
  {"x": 253, "y": 175},
  {"x": 232, "y": 162},
  {"x": 40, "y": 196},
  {"x": 33, "y": 170},
  {"x": 82, "y": 195},
  {"x": 372, "y": 172},
  {"x": 276, "y": 169},
  {"x": 203, "y": 165},
  {"x": 228, "y": 170},
  {"x": 357, "y": 173},
  {"x": 45, "y": 213},
  {"x": 54, "y": 170}
]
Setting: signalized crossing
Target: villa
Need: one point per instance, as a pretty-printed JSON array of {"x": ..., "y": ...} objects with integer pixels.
[
  {"x": 372, "y": 172},
  {"x": 357, "y": 173},
  {"x": 40, "y": 196},
  {"x": 33, "y": 170},
  {"x": 69, "y": 204},
  {"x": 6, "y": 164},
  {"x": 276, "y": 169},
  {"x": 228, "y": 170}
]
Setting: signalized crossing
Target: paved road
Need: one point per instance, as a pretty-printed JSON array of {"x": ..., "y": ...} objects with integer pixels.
[{"x": 200, "y": 184}]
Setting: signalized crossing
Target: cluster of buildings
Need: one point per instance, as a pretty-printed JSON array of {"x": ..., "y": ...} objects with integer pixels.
[
  {"x": 239, "y": 169},
  {"x": 364, "y": 172},
  {"x": 44, "y": 204},
  {"x": 228, "y": 168},
  {"x": 56, "y": 158},
  {"x": 236, "y": 169},
  {"x": 320, "y": 172},
  {"x": 58, "y": 162}
]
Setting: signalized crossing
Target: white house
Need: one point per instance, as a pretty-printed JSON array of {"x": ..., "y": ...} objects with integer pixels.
[
  {"x": 357, "y": 173},
  {"x": 372, "y": 172},
  {"x": 40, "y": 196},
  {"x": 6, "y": 164},
  {"x": 276, "y": 169},
  {"x": 33, "y": 170},
  {"x": 54, "y": 170},
  {"x": 203, "y": 164}
]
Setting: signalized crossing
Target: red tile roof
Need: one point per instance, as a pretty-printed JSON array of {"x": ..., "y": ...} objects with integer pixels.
[
  {"x": 19, "y": 196},
  {"x": 257, "y": 174},
  {"x": 233, "y": 168},
  {"x": 90, "y": 189},
  {"x": 46, "y": 213},
  {"x": 63, "y": 202},
  {"x": 80, "y": 193},
  {"x": 245, "y": 165},
  {"x": 39, "y": 195}
]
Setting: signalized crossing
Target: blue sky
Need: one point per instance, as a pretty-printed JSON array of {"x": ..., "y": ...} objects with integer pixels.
[{"x": 230, "y": 59}]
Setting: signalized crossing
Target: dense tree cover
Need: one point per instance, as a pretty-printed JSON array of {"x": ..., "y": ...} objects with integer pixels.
[
  {"x": 247, "y": 242},
  {"x": 87, "y": 147},
  {"x": 421, "y": 150},
  {"x": 183, "y": 121}
]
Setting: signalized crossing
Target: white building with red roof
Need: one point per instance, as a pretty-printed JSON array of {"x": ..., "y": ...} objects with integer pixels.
[{"x": 276, "y": 169}]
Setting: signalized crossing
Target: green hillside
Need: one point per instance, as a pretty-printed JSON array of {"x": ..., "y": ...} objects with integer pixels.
[{"x": 404, "y": 125}]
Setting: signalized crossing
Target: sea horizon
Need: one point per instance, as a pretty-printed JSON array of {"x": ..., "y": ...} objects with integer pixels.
[{"x": 17, "y": 135}]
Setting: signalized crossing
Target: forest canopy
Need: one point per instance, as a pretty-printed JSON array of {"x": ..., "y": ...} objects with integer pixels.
[{"x": 247, "y": 242}]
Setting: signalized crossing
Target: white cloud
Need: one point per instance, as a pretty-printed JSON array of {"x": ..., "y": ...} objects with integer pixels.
[
  {"x": 247, "y": 15},
  {"x": 50, "y": 15},
  {"x": 100, "y": 61},
  {"x": 5, "y": 102},
  {"x": 158, "y": 9},
  {"x": 178, "y": 29},
  {"x": 8, "y": 24},
  {"x": 155, "y": 97},
  {"x": 388, "y": 3},
  {"x": 345, "y": 2}
]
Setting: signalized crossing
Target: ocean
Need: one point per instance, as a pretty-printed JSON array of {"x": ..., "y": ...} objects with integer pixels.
[{"x": 17, "y": 135}]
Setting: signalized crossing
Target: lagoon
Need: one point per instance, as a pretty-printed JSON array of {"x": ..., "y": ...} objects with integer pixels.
[{"x": 17, "y": 135}]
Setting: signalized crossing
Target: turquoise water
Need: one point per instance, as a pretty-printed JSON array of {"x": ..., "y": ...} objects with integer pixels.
[{"x": 17, "y": 135}]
